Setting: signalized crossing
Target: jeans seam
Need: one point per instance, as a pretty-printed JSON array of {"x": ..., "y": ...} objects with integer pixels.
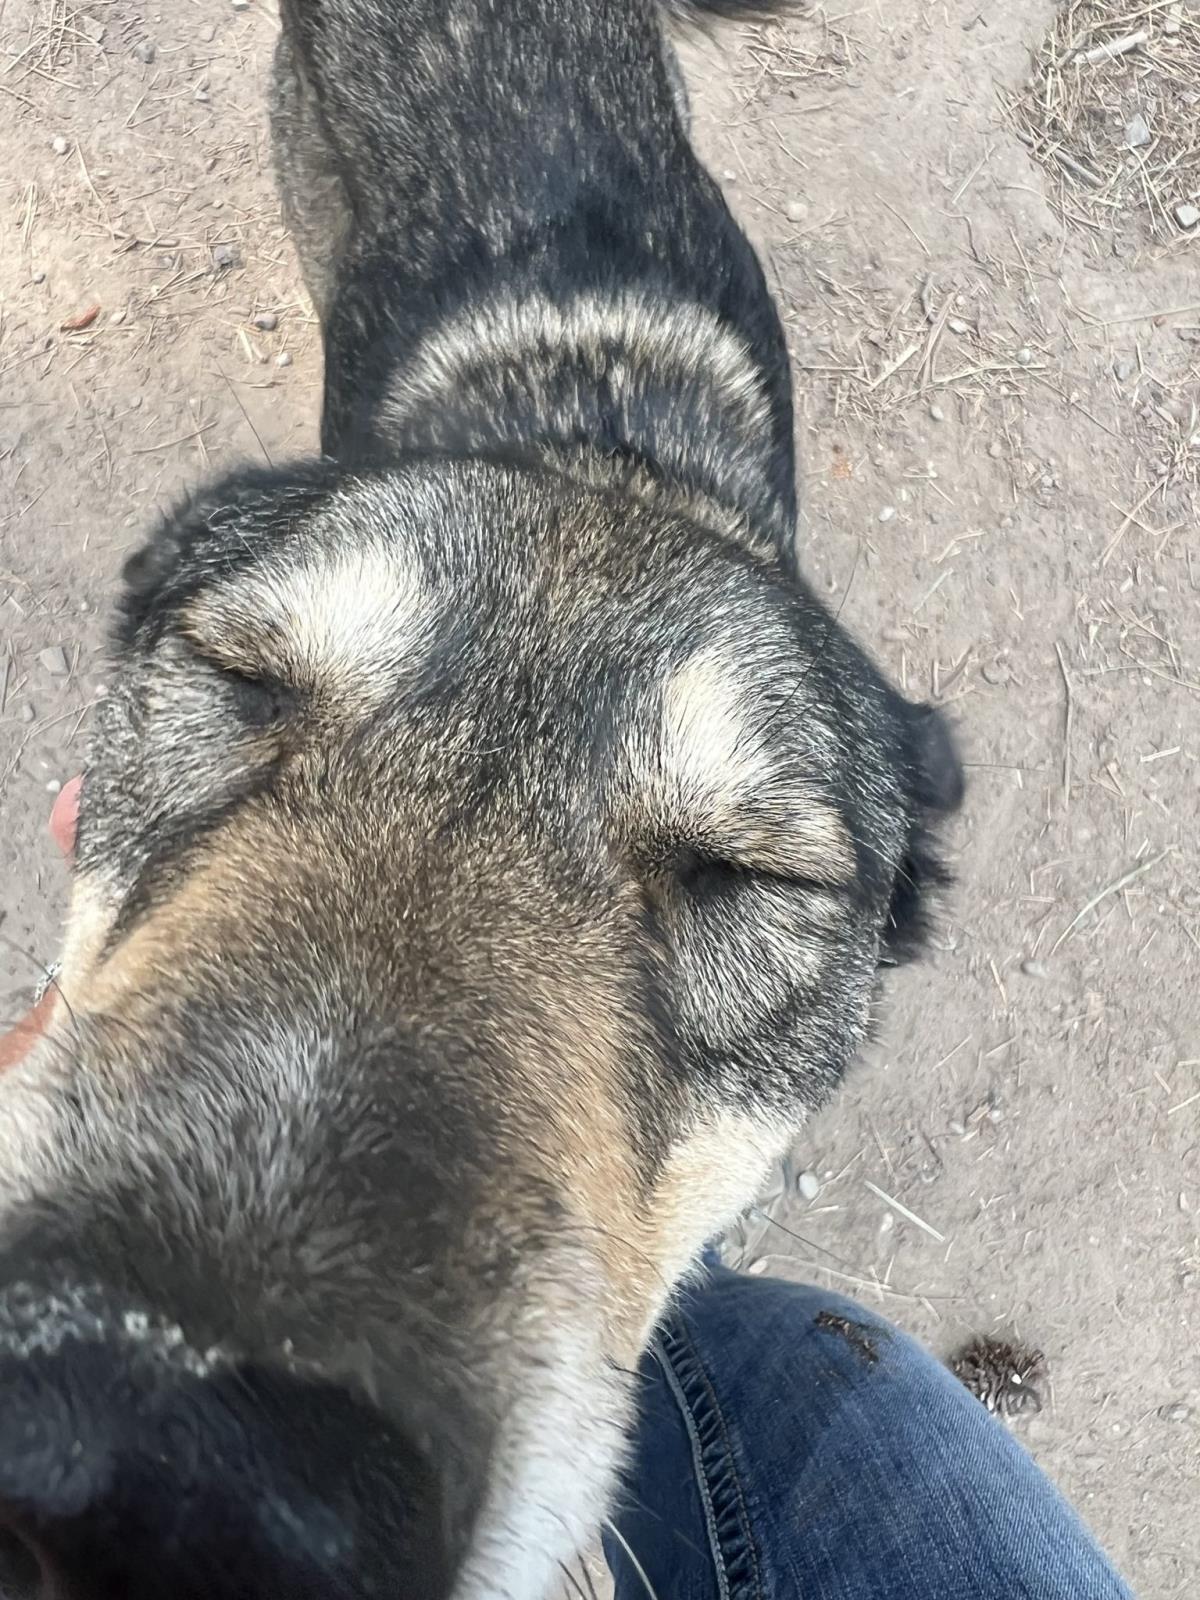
[
  {"x": 685, "y": 1366},
  {"x": 702, "y": 1488}
]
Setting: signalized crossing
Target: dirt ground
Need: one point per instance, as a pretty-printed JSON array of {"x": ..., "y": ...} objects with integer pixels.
[{"x": 998, "y": 374}]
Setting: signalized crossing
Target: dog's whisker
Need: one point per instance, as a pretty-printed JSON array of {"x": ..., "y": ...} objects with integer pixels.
[
  {"x": 572, "y": 1579},
  {"x": 585, "y": 1569},
  {"x": 633, "y": 1560}
]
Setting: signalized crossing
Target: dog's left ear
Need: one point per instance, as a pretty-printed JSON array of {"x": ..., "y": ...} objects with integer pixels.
[{"x": 936, "y": 787}]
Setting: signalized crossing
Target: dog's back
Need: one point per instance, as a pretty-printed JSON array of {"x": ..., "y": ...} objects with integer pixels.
[{"x": 523, "y": 192}]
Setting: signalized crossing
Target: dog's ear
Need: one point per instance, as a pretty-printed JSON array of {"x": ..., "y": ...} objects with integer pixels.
[
  {"x": 127, "y": 1476},
  {"x": 935, "y": 790},
  {"x": 938, "y": 775}
]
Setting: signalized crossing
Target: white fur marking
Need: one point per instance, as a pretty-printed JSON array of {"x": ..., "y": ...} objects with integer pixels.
[
  {"x": 553, "y": 1470},
  {"x": 685, "y": 338},
  {"x": 349, "y": 618},
  {"x": 707, "y": 751}
]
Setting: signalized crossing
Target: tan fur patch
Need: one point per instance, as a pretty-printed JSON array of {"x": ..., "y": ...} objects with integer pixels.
[
  {"x": 200, "y": 914},
  {"x": 711, "y": 1175},
  {"x": 88, "y": 922}
]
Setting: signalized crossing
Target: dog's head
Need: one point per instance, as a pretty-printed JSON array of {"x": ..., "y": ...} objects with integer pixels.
[{"x": 479, "y": 874}]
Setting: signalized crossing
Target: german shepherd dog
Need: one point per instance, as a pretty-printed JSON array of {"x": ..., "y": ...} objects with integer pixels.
[{"x": 487, "y": 856}]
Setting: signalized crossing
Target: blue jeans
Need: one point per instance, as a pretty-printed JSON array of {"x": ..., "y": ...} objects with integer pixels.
[{"x": 794, "y": 1446}]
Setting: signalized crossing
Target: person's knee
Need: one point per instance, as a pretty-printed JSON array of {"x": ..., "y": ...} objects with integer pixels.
[{"x": 792, "y": 1327}]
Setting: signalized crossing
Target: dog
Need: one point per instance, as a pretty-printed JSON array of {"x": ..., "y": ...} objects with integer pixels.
[{"x": 488, "y": 855}]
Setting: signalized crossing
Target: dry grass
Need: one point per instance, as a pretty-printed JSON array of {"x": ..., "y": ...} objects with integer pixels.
[
  {"x": 1112, "y": 112},
  {"x": 61, "y": 39},
  {"x": 1174, "y": 423},
  {"x": 941, "y": 343},
  {"x": 810, "y": 49}
]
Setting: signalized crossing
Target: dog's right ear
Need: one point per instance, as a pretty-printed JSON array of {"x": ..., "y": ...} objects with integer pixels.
[
  {"x": 126, "y": 1475},
  {"x": 938, "y": 785},
  {"x": 935, "y": 783}
]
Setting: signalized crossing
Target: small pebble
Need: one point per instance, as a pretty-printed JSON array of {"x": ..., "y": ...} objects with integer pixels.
[
  {"x": 1123, "y": 370},
  {"x": 1176, "y": 1413},
  {"x": 809, "y": 1185},
  {"x": 887, "y": 513},
  {"x": 1035, "y": 969},
  {"x": 958, "y": 1129},
  {"x": 996, "y": 672},
  {"x": 936, "y": 412},
  {"x": 91, "y": 27},
  {"x": 283, "y": 359},
  {"x": 1024, "y": 355},
  {"x": 1137, "y": 132},
  {"x": 54, "y": 659},
  {"x": 39, "y": 277},
  {"x": 202, "y": 95},
  {"x": 145, "y": 51},
  {"x": 224, "y": 255},
  {"x": 26, "y": 713},
  {"x": 60, "y": 145},
  {"x": 995, "y": 449},
  {"x": 119, "y": 316},
  {"x": 1187, "y": 216},
  {"x": 208, "y": 33},
  {"x": 265, "y": 321},
  {"x": 887, "y": 1222},
  {"x": 795, "y": 210},
  {"x": 957, "y": 325},
  {"x": 241, "y": 5},
  {"x": 54, "y": 785}
]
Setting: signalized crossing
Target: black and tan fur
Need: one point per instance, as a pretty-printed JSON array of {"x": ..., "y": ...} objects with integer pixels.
[{"x": 486, "y": 859}]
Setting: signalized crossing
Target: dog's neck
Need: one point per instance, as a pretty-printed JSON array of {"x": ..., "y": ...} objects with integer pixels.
[{"x": 658, "y": 398}]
